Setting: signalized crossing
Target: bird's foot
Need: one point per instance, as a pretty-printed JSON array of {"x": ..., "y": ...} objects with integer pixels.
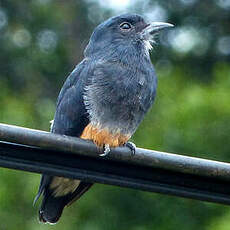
[
  {"x": 106, "y": 150},
  {"x": 132, "y": 147}
]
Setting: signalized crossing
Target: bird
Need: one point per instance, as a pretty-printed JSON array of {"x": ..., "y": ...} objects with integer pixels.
[{"x": 104, "y": 99}]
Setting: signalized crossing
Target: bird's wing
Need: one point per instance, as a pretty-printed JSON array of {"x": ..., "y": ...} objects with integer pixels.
[
  {"x": 70, "y": 119},
  {"x": 71, "y": 116}
]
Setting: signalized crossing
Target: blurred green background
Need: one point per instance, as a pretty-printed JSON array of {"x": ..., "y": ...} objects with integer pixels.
[{"x": 40, "y": 43}]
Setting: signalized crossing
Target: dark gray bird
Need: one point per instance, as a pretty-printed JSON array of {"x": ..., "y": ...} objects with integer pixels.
[{"x": 104, "y": 99}]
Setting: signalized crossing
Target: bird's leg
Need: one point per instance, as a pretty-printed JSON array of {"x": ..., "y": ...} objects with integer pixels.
[
  {"x": 106, "y": 150},
  {"x": 128, "y": 144},
  {"x": 131, "y": 146}
]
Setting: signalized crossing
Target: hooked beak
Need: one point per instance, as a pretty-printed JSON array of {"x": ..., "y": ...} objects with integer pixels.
[{"x": 154, "y": 28}]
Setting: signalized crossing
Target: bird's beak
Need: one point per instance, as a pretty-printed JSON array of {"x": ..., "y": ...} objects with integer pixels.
[{"x": 154, "y": 28}]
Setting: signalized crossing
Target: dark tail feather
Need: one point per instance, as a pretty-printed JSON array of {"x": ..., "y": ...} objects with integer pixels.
[
  {"x": 81, "y": 189},
  {"x": 52, "y": 207},
  {"x": 45, "y": 180}
]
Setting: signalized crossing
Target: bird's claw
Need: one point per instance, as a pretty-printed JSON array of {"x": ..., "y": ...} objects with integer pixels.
[
  {"x": 106, "y": 150},
  {"x": 132, "y": 147},
  {"x": 129, "y": 144}
]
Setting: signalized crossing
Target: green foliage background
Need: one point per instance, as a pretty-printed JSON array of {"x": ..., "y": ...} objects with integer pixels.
[{"x": 42, "y": 40}]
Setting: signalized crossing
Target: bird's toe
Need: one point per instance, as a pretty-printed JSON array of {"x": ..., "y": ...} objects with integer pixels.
[
  {"x": 106, "y": 150},
  {"x": 132, "y": 147}
]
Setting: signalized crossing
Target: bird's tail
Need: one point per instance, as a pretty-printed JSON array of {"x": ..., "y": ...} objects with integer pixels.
[{"x": 52, "y": 206}]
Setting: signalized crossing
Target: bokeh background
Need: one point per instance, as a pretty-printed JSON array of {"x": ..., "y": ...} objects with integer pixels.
[{"x": 40, "y": 43}]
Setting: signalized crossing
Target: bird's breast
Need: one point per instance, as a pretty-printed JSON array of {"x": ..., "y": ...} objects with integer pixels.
[{"x": 117, "y": 98}]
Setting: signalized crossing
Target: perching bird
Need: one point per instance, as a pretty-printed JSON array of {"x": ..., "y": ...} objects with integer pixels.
[{"x": 104, "y": 99}]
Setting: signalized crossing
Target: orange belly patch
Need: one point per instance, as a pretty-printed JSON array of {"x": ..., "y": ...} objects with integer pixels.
[{"x": 102, "y": 137}]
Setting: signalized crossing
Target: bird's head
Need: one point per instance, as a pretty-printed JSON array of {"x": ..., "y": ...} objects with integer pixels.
[{"x": 127, "y": 30}]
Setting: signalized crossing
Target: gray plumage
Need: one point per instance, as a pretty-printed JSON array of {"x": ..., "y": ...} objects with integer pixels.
[{"x": 111, "y": 89}]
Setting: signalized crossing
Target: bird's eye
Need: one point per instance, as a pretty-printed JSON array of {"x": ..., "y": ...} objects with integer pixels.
[{"x": 125, "y": 26}]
